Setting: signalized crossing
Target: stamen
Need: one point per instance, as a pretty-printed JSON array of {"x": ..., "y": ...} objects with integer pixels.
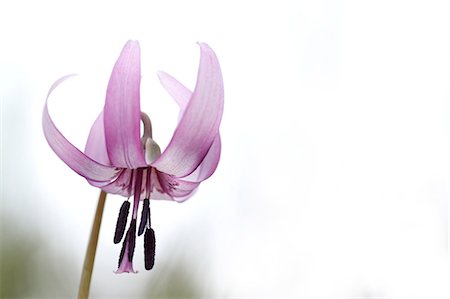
[
  {"x": 145, "y": 216},
  {"x": 130, "y": 185},
  {"x": 149, "y": 248},
  {"x": 131, "y": 238},
  {"x": 129, "y": 242},
  {"x": 148, "y": 183},
  {"x": 137, "y": 191},
  {"x": 149, "y": 216},
  {"x": 121, "y": 222}
]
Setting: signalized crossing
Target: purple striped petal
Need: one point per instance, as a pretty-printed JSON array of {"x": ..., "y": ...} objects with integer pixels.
[
  {"x": 181, "y": 95},
  {"x": 200, "y": 122},
  {"x": 73, "y": 157},
  {"x": 122, "y": 114}
]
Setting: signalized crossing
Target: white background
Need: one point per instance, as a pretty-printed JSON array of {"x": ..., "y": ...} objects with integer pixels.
[{"x": 334, "y": 178}]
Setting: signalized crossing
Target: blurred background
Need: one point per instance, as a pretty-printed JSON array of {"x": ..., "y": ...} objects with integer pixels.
[{"x": 334, "y": 179}]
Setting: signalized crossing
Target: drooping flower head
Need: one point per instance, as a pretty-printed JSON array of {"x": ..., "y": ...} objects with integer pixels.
[{"x": 120, "y": 161}]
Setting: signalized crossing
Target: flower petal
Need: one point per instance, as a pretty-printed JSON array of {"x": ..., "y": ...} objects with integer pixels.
[
  {"x": 181, "y": 95},
  {"x": 122, "y": 114},
  {"x": 70, "y": 155},
  {"x": 177, "y": 91},
  {"x": 209, "y": 163},
  {"x": 175, "y": 187},
  {"x": 96, "y": 144},
  {"x": 157, "y": 191},
  {"x": 200, "y": 122},
  {"x": 120, "y": 186}
]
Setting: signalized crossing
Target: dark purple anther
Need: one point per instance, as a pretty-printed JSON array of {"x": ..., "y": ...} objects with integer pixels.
[
  {"x": 122, "y": 251},
  {"x": 145, "y": 216},
  {"x": 121, "y": 222},
  {"x": 149, "y": 248},
  {"x": 131, "y": 239}
]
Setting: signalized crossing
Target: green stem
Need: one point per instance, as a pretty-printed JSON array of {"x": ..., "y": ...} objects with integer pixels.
[{"x": 86, "y": 275}]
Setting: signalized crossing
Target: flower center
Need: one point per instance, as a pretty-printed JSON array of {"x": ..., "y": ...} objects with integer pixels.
[
  {"x": 129, "y": 242},
  {"x": 140, "y": 183}
]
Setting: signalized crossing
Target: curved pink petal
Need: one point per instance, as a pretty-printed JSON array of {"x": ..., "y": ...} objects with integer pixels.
[
  {"x": 209, "y": 163},
  {"x": 176, "y": 188},
  {"x": 177, "y": 91},
  {"x": 96, "y": 143},
  {"x": 124, "y": 184},
  {"x": 121, "y": 186},
  {"x": 200, "y": 122},
  {"x": 181, "y": 95},
  {"x": 122, "y": 114},
  {"x": 184, "y": 198},
  {"x": 73, "y": 157},
  {"x": 160, "y": 195},
  {"x": 157, "y": 191}
]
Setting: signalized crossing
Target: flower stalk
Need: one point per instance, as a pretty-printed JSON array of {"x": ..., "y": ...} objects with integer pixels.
[{"x": 88, "y": 266}]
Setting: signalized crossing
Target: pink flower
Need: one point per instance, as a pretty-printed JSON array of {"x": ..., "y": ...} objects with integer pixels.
[{"x": 120, "y": 161}]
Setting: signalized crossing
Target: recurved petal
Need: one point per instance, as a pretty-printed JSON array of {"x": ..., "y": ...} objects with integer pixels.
[
  {"x": 178, "y": 91},
  {"x": 160, "y": 193},
  {"x": 96, "y": 144},
  {"x": 200, "y": 122},
  {"x": 70, "y": 155},
  {"x": 121, "y": 185},
  {"x": 181, "y": 95},
  {"x": 122, "y": 114},
  {"x": 177, "y": 188},
  {"x": 209, "y": 163}
]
